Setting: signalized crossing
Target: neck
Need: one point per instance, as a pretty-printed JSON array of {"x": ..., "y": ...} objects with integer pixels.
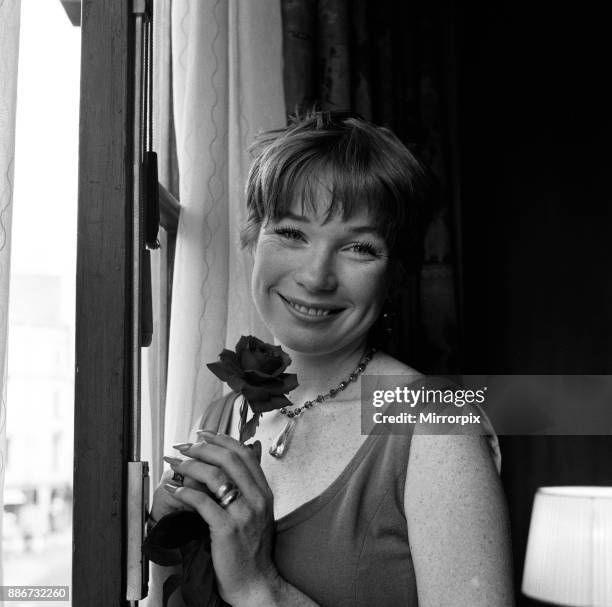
[{"x": 317, "y": 373}]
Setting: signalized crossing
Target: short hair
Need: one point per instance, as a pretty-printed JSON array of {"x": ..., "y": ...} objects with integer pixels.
[{"x": 361, "y": 163}]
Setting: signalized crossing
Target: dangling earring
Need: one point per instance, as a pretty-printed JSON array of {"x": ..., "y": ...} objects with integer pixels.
[{"x": 388, "y": 317}]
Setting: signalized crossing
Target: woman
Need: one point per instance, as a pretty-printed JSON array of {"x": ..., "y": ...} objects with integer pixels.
[{"x": 341, "y": 518}]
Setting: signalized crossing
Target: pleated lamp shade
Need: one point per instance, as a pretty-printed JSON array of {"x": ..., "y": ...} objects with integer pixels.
[{"x": 569, "y": 550}]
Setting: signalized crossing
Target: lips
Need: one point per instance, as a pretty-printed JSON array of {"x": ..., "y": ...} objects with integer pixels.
[{"x": 311, "y": 309}]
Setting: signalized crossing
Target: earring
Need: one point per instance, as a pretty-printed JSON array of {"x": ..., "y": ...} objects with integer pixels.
[{"x": 388, "y": 317}]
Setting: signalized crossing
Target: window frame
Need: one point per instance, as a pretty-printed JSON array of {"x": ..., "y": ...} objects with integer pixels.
[{"x": 103, "y": 369}]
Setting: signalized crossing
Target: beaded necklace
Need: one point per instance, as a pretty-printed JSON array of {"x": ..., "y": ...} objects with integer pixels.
[{"x": 280, "y": 446}]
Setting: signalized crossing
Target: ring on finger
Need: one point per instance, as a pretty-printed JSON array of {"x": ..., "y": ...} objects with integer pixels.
[
  {"x": 229, "y": 497},
  {"x": 224, "y": 489}
]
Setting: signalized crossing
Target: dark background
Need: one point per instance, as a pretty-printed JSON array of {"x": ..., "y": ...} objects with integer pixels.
[
  {"x": 534, "y": 133},
  {"x": 507, "y": 104}
]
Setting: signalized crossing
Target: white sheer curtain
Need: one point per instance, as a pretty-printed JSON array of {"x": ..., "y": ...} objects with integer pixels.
[
  {"x": 155, "y": 359},
  {"x": 218, "y": 78},
  {"x": 9, "y": 53},
  {"x": 227, "y": 86}
]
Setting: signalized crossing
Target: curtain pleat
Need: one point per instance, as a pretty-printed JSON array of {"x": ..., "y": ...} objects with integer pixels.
[
  {"x": 155, "y": 357},
  {"x": 218, "y": 82},
  {"x": 227, "y": 86}
]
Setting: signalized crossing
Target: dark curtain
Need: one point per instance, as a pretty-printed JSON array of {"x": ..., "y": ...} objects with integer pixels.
[
  {"x": 504, "y": 102},
  {"x": 535, "y": 122},
  {"x": 388, "y": 61}
]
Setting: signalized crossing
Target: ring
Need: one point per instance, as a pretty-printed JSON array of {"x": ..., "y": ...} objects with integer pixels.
[
  {"x": 224, "y": 489},
  {"x": 178, "y": 478},
  {"x": 230, "y": 496}
]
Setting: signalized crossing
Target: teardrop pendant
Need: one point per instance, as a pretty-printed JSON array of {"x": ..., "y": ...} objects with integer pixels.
[{"x": 280, "y": 446}]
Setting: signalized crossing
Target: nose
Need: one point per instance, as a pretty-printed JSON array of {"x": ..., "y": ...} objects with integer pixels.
[{"x": 317, "y": 272}]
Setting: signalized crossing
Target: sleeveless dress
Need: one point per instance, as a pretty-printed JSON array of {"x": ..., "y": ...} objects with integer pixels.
[{"x": 348, "y": 547}]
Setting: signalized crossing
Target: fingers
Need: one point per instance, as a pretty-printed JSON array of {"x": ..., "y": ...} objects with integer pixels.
[
  {"x": 236, "y": 462},
  {"x": 198, "y": 475},
  {"x": 204, "y": 505},
  {"x": 250, "y": 454},
  {"x": 163, "y": 501}
]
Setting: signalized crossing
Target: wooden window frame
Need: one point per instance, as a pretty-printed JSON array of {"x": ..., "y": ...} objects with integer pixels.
[{"x": 103, "y": 373}]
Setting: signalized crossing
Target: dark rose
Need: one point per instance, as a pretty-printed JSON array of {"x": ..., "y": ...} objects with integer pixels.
[{"x": 256, "y": 370}]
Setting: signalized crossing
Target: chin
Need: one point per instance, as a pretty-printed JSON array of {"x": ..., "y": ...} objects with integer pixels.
[
  {"x": 314, "y": 345},
  {"x": 305, "y": 345}
]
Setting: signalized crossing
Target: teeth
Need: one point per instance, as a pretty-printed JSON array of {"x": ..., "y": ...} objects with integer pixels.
[{"x": 309, "y": 311}]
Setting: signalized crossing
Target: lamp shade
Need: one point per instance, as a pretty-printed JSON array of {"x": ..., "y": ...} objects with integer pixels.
[{"x": 569, "y": 550}]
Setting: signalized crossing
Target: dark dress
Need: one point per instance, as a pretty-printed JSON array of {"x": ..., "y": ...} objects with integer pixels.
[{"x": 349, "y": 545}]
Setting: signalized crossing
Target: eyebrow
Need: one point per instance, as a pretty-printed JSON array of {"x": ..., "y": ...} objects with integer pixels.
[{"x": 353, "y": 229}]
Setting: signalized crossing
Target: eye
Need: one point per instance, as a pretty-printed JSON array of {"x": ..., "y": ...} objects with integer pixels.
[
  {"x": 289, "y": 232},
  {"x": 367, "y": 249}
]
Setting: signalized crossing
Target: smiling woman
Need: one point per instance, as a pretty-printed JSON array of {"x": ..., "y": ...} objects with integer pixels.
[
  {"x": 340, "y": 202},
  {"x": 334, "y": 205},
  {"x": 317, "y": 284}
]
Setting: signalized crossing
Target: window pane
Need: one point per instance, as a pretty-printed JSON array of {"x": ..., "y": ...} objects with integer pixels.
[{"x": 37, "y": 528}]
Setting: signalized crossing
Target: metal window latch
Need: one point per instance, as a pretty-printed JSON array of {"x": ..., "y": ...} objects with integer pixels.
[
  {"x": 137, "y": 510},
  {"x": 141, "y": 7}
]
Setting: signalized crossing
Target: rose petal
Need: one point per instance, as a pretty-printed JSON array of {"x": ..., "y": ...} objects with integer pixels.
[
  {"x": 222, "y": 371},
  {"x": 249, "y": 360},
  {"x": 243, "y": 343},
  {"x": 236, "y": 383},
  {"x": 290, "y": 381},
  {"x": 255, "y": 393},
  {"x": 229, "y": 359},
  {"x": 255, "y": 355},
  {"x": 274, "y": 402},
  {"x": 258, "y": 378}
]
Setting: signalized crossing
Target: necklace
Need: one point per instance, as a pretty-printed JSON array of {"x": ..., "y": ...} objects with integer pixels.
[{"x": 280, "y": 446}]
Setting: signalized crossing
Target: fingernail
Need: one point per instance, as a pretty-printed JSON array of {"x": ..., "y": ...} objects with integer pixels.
[
  {"x": 182, "y": 446},
  {"x": 170, "y": 488},
  {"x": 173, "y": 461}
]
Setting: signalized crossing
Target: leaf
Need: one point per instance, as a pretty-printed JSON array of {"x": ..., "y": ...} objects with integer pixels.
[
  {"x": 170, "y": 585},
  {"x": 256, "y": 448},
  {"x": 198, "y": 584},
  {"x": 172, "y": 532},
  {"x": 249, "y": 428},
  {"x": 185, "y": 536}
]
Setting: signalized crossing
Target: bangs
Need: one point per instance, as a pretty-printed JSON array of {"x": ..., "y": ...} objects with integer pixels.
[
  {"x": 335, "y": 165},
  {"x": 336, "y": 182}
]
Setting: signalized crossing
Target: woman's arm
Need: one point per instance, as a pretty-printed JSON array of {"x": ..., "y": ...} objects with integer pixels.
[
  {"x": 279, "y": 593},
  {"x": 457, "y": 523}
]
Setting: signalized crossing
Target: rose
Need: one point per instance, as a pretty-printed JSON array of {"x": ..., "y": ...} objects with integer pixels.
[{"x": 257, "y": 371}]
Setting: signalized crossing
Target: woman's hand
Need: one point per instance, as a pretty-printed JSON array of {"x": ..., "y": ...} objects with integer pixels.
[
  {"x": 165, "y": 502},
  {"x": 242, "y": 533}
]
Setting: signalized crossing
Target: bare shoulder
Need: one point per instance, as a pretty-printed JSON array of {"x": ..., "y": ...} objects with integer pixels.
[
  {"x": 385, "y": 364},
  {"x": 457, "y": 523}
]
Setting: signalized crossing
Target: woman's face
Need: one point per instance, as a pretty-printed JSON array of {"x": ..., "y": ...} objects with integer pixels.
[{"x": 319, "y": 286}]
